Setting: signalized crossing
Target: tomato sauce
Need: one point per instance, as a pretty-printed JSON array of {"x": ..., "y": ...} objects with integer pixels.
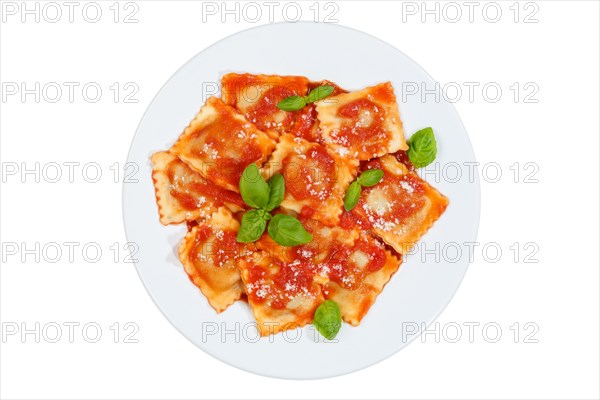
[
  {"x": 198, "y": 252},
  {"x": 306, "y": 124},
  {"x": 188, "y": 188},
  {"x": 363, "y": 129},
  {"x": 408, "y": 202},
  {"x": 226, "y": 248},
  {"x": 263, "y": 111},
  {"x": 185, "y": 200},
  {"x": 255, "y": 276},
  {"x": 222, "y": 249},
  {"x": 292, "y": 279},
  {"x": 312, "y": 177},
  {"x": 191, "y": 224},
  {"x": 282, "y": 281},
  {"x": 376, "y": 254},
  {"x": 402, "y": 156},
  {"x": 347, "y": 274},
  {"x": 350, "y": 220},
  {"x": 263, "y": 93},
  {"x": 407, "y": 194},
  {"x": 203, "y": 233},
  {"x": 307, "y": 212},
  {"x": 226, "y": 147}
]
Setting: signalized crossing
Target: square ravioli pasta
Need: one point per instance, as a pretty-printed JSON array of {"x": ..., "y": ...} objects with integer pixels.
[
  {"x": 256, "y": 97},
  {"x": 399, "y": 209},
  {"x": 316, "y": 254},
  {"x": 351, "y": 265},
  {"x": 284, "y": 284},
  {"x": 183, "y": 195},
  {"x": 306, "y": 123},
  {"x": 363, "y": 124},
  {"x": 219, "y": 143},
  {"x": 282, "y": 294},
  {"x": 209, "y": 253},
  {"x": 358, "y": 275},
  {"x": 315, "y": 178}
]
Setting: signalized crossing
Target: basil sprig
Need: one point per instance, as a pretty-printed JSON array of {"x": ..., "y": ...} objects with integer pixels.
[
  {"x": 264, "y": 197},
  {"x": 328, "y": 319},
  {"x": 370, "y": 177},
  {"x": 295, "y": 103},
  {"x": 422, "y": 148}
]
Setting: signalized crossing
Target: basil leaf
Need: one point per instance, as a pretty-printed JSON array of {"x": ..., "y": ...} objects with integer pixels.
[
  {"x": 319, "y": 93},
  {"x": 292, "y": 103},
  {"x": 253, "y": 188},
  {"x": 370, "y": 177},
  {"x": 288, "y": 231},
  {"x": 252, "y": 226},
  {"x": 352, "y": 196},
  {"x": 265, "y": 215},
  {"x": 276, "y": 191},
  {"x": 422, "y": 148},
  {"x": 328, "y": 319}
]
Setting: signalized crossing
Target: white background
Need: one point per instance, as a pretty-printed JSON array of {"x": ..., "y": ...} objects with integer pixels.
[{"x": 559, "y": 295}]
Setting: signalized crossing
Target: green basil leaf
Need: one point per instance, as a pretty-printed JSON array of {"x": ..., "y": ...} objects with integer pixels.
[
  {"x": 352, "y": 196},
  {"x": 252, "y": 226},
  {"x": 328, "y": 319},
  {"x": 422, "y": 148},
  {"x": 264, "y": 214},
  {"x": 288, "y": 231},
  {"x": 370, "y": 177},
  {"x": 319, "y": 93},
  {"x": 253, "y": 188},
  {"x": 292, "y": 103},
  {"x": 276, "y": 191}
]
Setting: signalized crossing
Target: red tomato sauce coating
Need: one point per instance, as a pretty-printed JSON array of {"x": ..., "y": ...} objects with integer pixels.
[
  {"x": 288, "y": 281},
  {"x": 345, "y": 272},
  {"x": 189, "y": 189},
  {"x": 218, "y": 139},
  {"x": 223, "y": 248},
  {"x": 306, "y": 125},
  {"x": 402, "y": 156},
  {"x": 261, "y": 113},
  {"x": 407, "y": 194},
  {"x": 310, "y": 177},
  {"x": 366, "y": 123}
]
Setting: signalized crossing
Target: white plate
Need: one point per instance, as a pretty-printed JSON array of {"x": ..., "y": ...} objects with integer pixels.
[{"x": 415, "y": 295}]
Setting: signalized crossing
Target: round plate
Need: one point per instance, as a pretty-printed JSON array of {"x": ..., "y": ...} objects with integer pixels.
[{"x": 415, "y": 295}]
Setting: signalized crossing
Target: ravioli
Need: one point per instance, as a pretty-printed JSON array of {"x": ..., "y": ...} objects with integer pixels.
[
  {"x": 358, "y": 274},
  {"x": 219, "y": 143},
  {"x": 401, "y": 208},
  {"x": 183, "y": 195},
  {"x": 316, "y": 253},
  {"x": 282, "y": 295},
  {"x": 209, "y": 252},
  {"x": 306, "y": 123},
  {"x": 315, "y": 178},
  {"x": 364, "y": 124},
  {"x": 256, "y": 97},
  {"x": 351, "y": 265}
]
